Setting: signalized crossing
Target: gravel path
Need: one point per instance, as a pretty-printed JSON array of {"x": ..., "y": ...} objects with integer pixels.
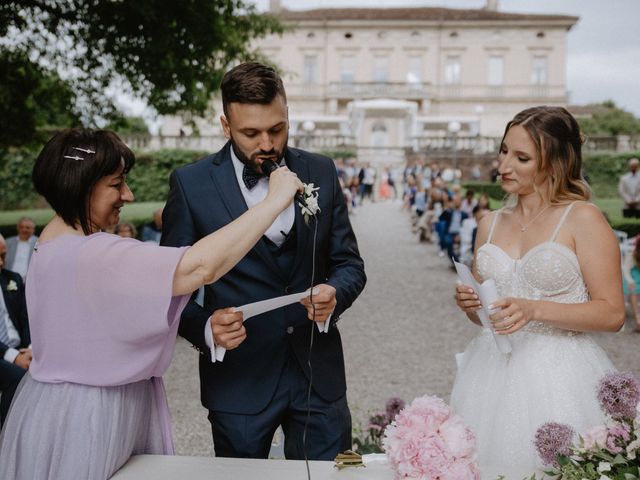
[{"x": 399, "y": 337}]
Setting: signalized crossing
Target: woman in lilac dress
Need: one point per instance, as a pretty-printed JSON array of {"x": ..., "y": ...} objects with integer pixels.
[{"x": 104, "y": 312}]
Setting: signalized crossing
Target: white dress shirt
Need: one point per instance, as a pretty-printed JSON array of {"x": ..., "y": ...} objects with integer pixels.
[
  {"x": 21, "y": 261},
  {"x": 14, "y": 337},
  {"x": 277, "y": 232}
]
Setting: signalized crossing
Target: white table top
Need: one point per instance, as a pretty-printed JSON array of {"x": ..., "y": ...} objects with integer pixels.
[{"x": 165, "y": 467}]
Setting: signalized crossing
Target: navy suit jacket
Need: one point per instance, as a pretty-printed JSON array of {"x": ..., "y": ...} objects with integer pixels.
[
  {"x": 16, "y": 306},
  {"x": 204, "y": 197}
]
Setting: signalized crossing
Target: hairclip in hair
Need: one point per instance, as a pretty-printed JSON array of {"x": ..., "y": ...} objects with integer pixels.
[
  {"x": 73, "y": 158},
  {"x": 85, "y": 150},
  {"x": 76, "y": 157}
]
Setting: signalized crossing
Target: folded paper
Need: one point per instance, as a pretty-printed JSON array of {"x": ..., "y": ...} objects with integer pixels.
[{"x": 488, "y": 294}]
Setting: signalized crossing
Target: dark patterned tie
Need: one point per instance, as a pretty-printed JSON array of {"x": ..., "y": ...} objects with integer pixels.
[{"x": 250, "y": 178}]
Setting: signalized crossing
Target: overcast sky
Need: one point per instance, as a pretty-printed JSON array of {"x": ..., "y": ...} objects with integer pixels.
[{"x": 603, "y": 48}]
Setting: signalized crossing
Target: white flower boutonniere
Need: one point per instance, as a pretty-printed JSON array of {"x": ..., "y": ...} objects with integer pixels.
[
  {"x": 310, "y": 208},
  {"x": 12, "y": 286}
]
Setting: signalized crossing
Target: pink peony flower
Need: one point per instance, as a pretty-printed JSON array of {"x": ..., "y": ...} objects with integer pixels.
[
  {"x": 459, "y": 439},
  {"x": 427, "y": 441},
  {"x": 595, "y": 437},
  {"x": 461, "y": 470}
]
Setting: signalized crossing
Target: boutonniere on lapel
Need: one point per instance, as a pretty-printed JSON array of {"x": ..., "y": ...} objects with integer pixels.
[
  {"x": 12, "y": 286},
  {"x": 309, "y": 206}
]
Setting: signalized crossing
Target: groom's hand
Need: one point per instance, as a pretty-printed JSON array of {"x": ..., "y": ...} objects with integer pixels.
[
  {"x": 227, "y": 328},
  {"x": 324, "y": 302}
]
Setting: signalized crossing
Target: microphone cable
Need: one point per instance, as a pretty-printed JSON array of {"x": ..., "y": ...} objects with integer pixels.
[{"x": 313, "y": 327}]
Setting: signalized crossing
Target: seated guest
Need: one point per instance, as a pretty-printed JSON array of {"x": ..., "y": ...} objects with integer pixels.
[
  {"x": 20, "y": 247},
  {"x": 452, "y": 219},
  {"x": 126, "y": 230},
  {"x": 152, "y": 231},
  {"x": 15, "y": 353},
  {"x": 631, "y": 281}
]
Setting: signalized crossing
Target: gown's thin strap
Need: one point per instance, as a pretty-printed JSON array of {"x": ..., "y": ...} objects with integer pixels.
[
  {"x": 493, "y": 225},
  {"x": 562, "y": 219}
]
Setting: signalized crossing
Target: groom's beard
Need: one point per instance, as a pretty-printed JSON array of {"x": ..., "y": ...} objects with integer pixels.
[{"x": 254, "y": 161}]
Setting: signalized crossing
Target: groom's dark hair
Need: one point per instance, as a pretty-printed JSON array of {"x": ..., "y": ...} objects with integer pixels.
[{"x": 250, "y": 82}]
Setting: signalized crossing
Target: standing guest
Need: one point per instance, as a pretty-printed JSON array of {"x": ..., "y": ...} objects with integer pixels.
[
  {"x": 629, "y": 190},
  {"x": 126, "y": 230},
  {"x": 152, "y": 231},
  {"x": 494, "y": 173},
  {"x": 104, "y": 312},
  {"x": 556, "y": 265},
  {"x": 20, "y": 247},
  {"x": 15, "y": 350},
  {"x": 264, "y": 382},
  {"x": 631, "y": 284}
]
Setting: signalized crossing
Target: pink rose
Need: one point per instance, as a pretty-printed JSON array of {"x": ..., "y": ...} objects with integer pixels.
[
  {"x": 461, "y": 470},
  {"x": 457, "y": 437},
  {"x": 595, "y": 437}
]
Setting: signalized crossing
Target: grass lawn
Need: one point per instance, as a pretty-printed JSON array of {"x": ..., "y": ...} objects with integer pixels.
[{"x": 132, "y": 212}]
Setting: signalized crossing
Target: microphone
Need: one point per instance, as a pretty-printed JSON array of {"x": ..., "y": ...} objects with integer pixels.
[{"x": 268, "y": 166}]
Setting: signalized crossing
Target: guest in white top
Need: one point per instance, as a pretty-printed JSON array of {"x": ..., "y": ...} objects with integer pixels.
[
  {"x": 20, "y": 247},
  {"x": 629, "y": 189}
]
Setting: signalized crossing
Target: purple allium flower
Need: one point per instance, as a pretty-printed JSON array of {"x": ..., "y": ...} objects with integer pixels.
[
  {"x": 553, "y": 439},
  {"x": 393, "y": 407},
  {"x": 378, "y": 419},
  {"x": 619, "y": 393}
]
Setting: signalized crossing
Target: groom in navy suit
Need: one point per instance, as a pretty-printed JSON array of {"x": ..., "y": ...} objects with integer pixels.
[{"x": 263, "y": 381}]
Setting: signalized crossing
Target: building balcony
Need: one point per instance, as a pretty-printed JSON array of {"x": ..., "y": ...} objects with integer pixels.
[
  {"x": 365, "y": 90},
  {"x": 525, "y": 93}
]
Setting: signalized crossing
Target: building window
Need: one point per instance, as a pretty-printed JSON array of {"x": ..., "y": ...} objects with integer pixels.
[
  {"x": 310, "y": 73},
  {"x": 539, "y": 70},
  {"x": 496, "y": 70},
  {"x": 452, "y": 70},
  {"x": 381, "y": 69},
  {"x": 414, "y": 72},
  {"x": 347, "y": 69}
]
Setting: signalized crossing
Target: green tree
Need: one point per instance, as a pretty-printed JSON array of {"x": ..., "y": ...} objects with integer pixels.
[
  {"x": 609, "y": 119},
  {"x": 31, "y": 99},
  {"x": 128, "y": 125},
  {"x": 171, "y": 54}
]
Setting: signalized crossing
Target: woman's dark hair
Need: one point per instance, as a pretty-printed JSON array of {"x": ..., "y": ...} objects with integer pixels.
[
  {"x": 250, "y": 82},
  {"x": 69, "y": 166},
  {"x": 556, "y": 135}
]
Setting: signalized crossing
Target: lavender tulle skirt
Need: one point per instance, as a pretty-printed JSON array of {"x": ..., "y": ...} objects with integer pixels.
[{"x": 69, "y": 431}]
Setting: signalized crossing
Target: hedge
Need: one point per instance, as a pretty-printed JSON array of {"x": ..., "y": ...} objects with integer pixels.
[{"x": 149, "y": 179}]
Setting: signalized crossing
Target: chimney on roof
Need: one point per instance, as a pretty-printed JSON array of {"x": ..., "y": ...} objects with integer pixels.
[
  {"x": 275, "y": 6},
  {"x": 491, "y": 5}
]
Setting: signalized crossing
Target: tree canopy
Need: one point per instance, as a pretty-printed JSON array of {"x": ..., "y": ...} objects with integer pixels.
[
  {"x": 608, "y": 119},
  {"x": 171, "y": 54}
]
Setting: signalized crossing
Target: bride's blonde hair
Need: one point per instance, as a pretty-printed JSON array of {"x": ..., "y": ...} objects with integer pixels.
[{"x": 556, "y": 135}]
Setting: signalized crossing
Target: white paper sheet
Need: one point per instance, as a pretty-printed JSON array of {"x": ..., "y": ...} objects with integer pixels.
[
  {"x": 487, "y": 293},
  {"x": 252, "y": 309}
]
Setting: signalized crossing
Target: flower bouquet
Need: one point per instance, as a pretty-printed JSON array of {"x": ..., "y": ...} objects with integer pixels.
[
  {"x": 370, "y": 440},
  {"x": 427, "y": 441},
  {"x": 605, "y": 452}
]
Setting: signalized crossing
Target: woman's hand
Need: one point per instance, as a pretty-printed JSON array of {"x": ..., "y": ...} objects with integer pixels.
[
  {"x": 283, "y": 185},
  {"x": 514, "y": 314},
  {"x": 467, "y": 299}
]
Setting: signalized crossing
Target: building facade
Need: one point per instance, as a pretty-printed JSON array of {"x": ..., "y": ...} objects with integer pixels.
[{"x": 387, "y": 80}]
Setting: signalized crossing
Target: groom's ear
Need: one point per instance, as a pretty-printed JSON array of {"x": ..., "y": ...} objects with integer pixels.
[{"x": 226, "y": 129}]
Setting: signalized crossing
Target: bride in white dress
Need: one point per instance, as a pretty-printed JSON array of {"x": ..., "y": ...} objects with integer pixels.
[{"x": 556, "y": 263}]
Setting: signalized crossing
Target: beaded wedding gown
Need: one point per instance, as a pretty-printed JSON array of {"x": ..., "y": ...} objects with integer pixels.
[{"x": 550, "y": 375}]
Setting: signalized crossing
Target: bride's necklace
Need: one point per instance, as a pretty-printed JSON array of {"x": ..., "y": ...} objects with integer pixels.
[{"x": 523, "y": 227}]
